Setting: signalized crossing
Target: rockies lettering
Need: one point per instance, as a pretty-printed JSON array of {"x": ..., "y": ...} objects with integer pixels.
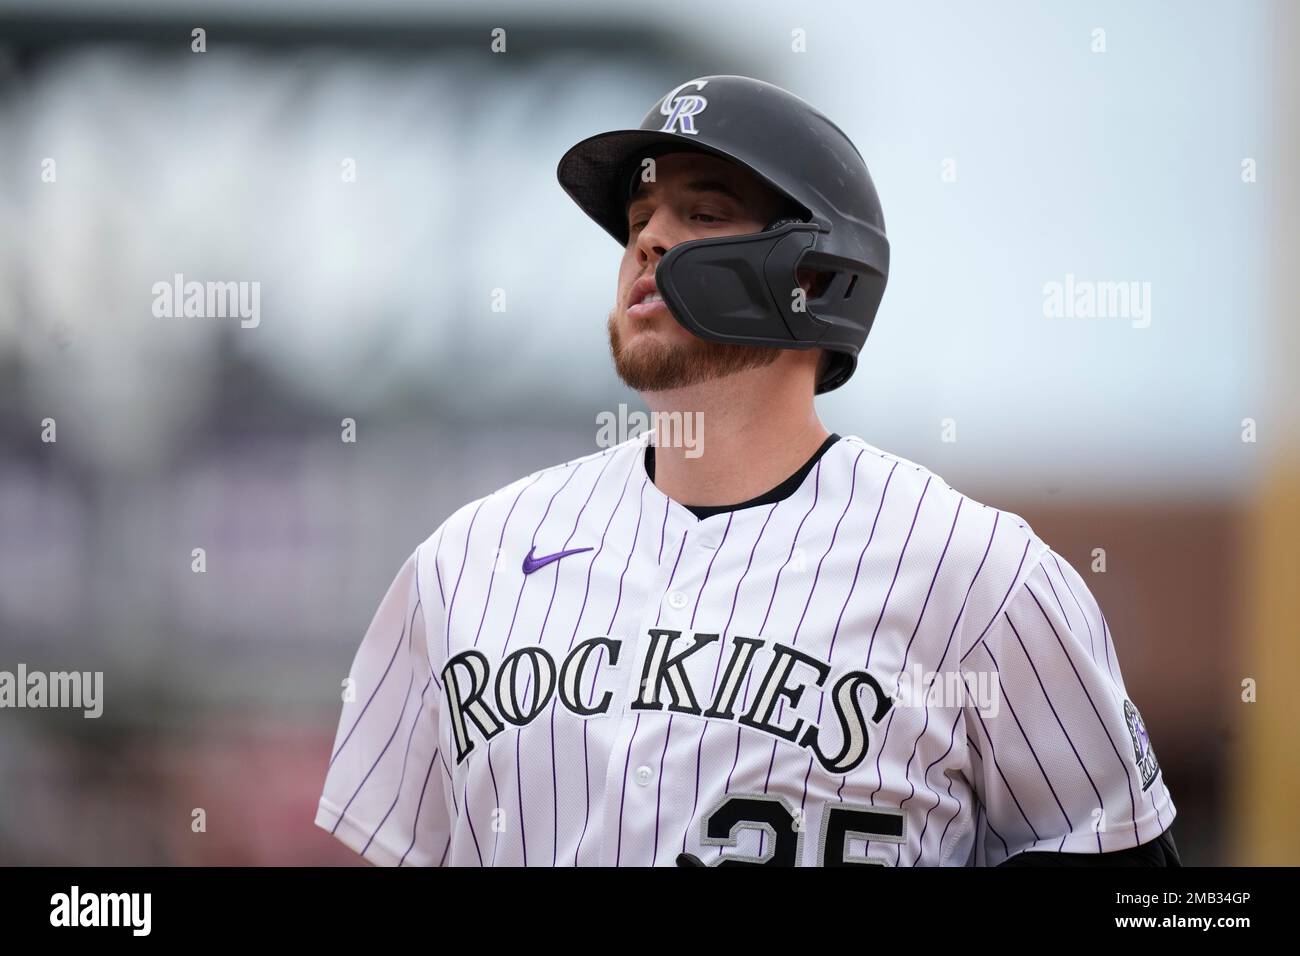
[{"x": 528, "y": 677}]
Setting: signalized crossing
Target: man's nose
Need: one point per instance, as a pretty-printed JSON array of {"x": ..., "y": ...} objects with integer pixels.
[{"x": 656, "y": 237}]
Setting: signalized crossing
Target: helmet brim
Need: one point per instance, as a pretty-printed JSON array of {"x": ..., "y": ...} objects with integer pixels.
[{"x": 597, "y": 171}]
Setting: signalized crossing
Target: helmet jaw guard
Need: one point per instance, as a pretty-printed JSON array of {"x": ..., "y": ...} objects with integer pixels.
[
  {"x": 730, "y": 289},
  {"x": 744, "y": 290}
]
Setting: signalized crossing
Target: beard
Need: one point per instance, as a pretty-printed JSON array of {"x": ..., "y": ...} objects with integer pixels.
[{"x": 656, "y": 366}]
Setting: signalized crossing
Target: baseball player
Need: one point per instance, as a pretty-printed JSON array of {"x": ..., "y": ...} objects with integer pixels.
[{"x": 775, "y": 646}]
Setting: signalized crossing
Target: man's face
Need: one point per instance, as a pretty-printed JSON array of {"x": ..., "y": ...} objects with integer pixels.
[{"x": 694, "y": 196}]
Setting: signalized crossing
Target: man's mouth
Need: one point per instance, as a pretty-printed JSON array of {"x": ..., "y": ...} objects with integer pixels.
[
  {"x": 652, "y": 304},
  {"x": 644, "y": 299}
]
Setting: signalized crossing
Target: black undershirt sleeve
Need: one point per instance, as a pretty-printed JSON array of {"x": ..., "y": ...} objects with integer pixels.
[{"x": 1159, "y": 852}]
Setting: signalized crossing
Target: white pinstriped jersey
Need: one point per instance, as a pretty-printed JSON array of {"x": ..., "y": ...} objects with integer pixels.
[{"x": 876, "y": 669}]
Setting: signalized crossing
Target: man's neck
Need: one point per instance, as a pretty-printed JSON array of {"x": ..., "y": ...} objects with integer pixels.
[{"x": 747, "y": 440}]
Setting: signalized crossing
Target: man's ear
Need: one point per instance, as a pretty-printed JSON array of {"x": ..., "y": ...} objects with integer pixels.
[{"x": 814, "y": 283}]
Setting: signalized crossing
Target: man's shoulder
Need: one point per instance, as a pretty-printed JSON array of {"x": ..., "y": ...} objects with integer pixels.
[
  {"x": 959, "y": 530},
  {"x": 541, "y": 486}
]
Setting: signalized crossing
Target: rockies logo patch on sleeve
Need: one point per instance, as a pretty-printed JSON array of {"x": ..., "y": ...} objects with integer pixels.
[{"x": 1142, "y": 752}]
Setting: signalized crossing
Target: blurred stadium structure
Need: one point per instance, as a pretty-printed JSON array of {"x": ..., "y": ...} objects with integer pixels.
[{"x": 377, "y": 305}]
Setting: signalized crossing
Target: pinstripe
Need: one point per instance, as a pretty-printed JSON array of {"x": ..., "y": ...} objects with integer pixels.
[
  {"x": 1084, "y": 614},
  {"x": 1010, "y": 587},
  {"x": 817, "y": 471},
  {"x": 451, "y": 781},
  {"x": 893, "y": 581},
  {"x": 577, "y": 624},
  {"x": 1033, "y": 752},
  {"x": 1105, "y": 730},
  {"x": 496, "y": 796},
  {"x": 406, "y": 754},
  {"x": 884, "y": 741},
  {"x": 527, "y": 577},
  {"x": 961, "y": 613},
  {"x": 1006, "y": 784},
  {"x": 415, "y": 824},
  {"x": 464, "y": 559},
  {"x": 717, "y": 670},
  {"x": 722, "y": 640},
  {"x": 631, "y": 740},
  {"x": 437, "y": 570},
  {"x": 794, "y": 640},
  {"x": 487, "y": 598},
  {"x": 469, "y": 820},
  {"x": 925, "y": 777},
  {"x": 586, "y": 758},
  {"x": 1101, "y": 803},
  {"x": 419, "y": 604},
  {"x": 380, "y": 683},
  {"x": 1047, "y": 577},
  {"x": 884, "y": 606},
  {"x": 839, "y": 620},
  {"x": 541, "y": 633}
]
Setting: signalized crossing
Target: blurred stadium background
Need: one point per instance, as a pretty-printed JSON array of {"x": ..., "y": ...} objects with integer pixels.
[{"x": 376, "y": 295}]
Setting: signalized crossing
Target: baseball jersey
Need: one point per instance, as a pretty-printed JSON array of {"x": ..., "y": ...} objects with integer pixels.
[{"x": 873, "y": 670}]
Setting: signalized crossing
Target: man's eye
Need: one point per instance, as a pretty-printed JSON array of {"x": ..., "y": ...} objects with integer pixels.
[{"x": 707, "y": 218}]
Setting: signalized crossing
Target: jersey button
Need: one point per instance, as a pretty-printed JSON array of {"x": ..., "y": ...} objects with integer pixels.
[
  {"x": 677, "y": 600},
  {"x": 644, "y": 775}
]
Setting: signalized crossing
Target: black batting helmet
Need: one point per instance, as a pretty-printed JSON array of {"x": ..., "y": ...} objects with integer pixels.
[{"x": 740, "y": 289}]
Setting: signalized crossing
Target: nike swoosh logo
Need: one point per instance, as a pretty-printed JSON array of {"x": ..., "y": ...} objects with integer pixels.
[{"x": 532, "y": 564}]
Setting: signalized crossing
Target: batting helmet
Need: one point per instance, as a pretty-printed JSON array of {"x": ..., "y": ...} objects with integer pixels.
[{"x": 740, "y": 289}]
